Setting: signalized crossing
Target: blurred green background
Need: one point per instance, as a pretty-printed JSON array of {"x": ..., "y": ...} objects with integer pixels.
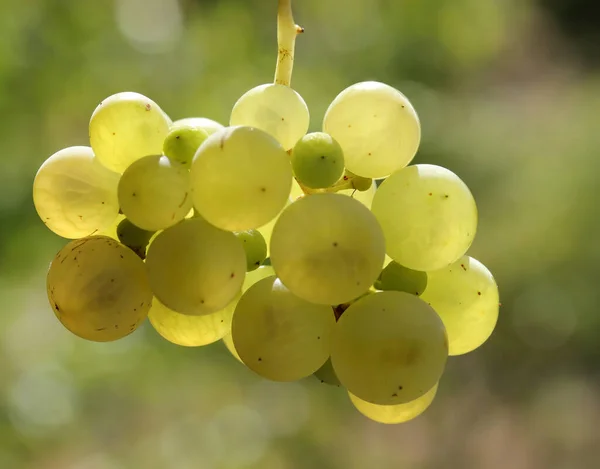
[{"x": 508, "y": 92}]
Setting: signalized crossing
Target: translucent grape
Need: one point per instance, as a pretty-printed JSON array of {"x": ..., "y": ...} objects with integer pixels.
[
  {"x": 317, "y": 160},
  {"x": 389, "y": 348},
  {"x": 428, "y": 216},
  {"x": 396, "y": 277},
  {"x": 465, "y": 295},
  {"x": 99, "y": 289},
  {"x": 126, "y": 127},
  {"x": 182, "y": 143},
  {"x": 74, "y": 195},
  {"x": 195, "y": 268},
  {"x": 376, "y": 126},
  {"x": 208, "y": 125},
  {"x": 278, "y": 335},
  {"x": 255, "y": 247},
  {"x": 399, "y": 413},
  {"x": 277, "y": 109},
  {"x": 241, "y": 178},
  {"x": 326, "y": 374},
  {"x": 154, "y": 193},
  {"x": 133, "y": 237},
  {"x": 191, "y": 331},
  {"x": 327, "y": 248}
]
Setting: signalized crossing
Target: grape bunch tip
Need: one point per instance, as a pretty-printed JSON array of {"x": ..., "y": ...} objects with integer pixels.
[{"x": 273, "y": 239}]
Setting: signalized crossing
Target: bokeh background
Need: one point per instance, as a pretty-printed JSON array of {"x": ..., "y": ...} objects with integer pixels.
[{"x": 508, "y": 92}]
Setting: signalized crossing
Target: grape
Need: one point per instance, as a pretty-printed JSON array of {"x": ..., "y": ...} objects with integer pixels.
[
  {"x": 241, "y": 178},
  {"x": 133, "y": 237},
  {"x": 74, "y": 195},
  {"x": 195, "y": 268},
  {"x": 126, "y": 127},
  {"x": 428, "y": 216},
  {"x": 99, "y": 289},
  {"x": 327, "y": 248},
  {"x": 399, "y": 278},
  {"x": 154, "y": 193},
  {"x": 191, "y": 331},
  {"x": 389, "y": 348},
  {"x": 208, "y": 125},
  {"x": 255, "y": 247},
  {"x": 228, "y": 341},
  {"x": 111, "y": 230},
  {"x": 182, "y": 142},
  {"x": 326, "y": 374},
  {"x": 399, "y": 413},
  {"x": 376, "y": 126},
  {"x": 465, "y": 295},
  {"x": 364, "y": 197},
  {"x": 278, "y": 335},
  {"x": 317, "y": 160},
  {"x": 277, "y": 109}
]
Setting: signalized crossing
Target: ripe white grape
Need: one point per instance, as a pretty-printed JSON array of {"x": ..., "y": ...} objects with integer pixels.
[
  {"x": 195, "y": 268},
  {"x": 191, "y": 331},
  {"x": 277, "y": 109},
  {"x": 74, "y": 195},
  {"x": 376, "y": 126},
  {"x": 154, "y": 193},
  {"x": 126, "y": 127},
  {"x": 99, "y": 289},
  {"x": 278, "y": 335},
  {"x": 428, "y": 216},
  {"x": 317, "y": 160},
  {"x": 396, "y": 277},
  {"x": 182, "y": 143},
  {"x": 327, "y": 248},
  {"x": 208, "y": 125},
  {"x": 255, "y": 247},
  {"x": 389, "y": 348},
  {"x": 241, "y": 178},
  {"x": 399, "y": 413},
  {"x": 465, "y": 295},
  {"x": 133, "y": 237},
  {"x": 326, "y": 374}
]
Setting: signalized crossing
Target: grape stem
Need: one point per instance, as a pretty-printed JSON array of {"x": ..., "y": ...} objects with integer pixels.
[{"x": 287, "y": 31}]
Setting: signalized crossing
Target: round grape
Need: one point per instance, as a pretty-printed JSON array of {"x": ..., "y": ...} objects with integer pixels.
[
  {"x": 133, "y": 237},
  {"x": 182, "y": 143},
  {"x": 208, "y": 125},
  {"x": 317, "y": 160},
  {"x": 396, "y": 277},
  {"x": 255, "y": 247},
  {"x": 326, "y": 374}
]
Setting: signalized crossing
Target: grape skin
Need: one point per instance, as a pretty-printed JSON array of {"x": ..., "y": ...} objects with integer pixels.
[
  {"x": 255, "y": 247},
  {"x": 428, "y": 216},
  {"x": 327, "y": 248},
  {"x": 465, "y": 295},
  {"x": 126, "y": 127},
  {"x": 182, "y": 143},
  {"x": 276, "y": 109},
  {"x": 195, "y": 268},
  {"x": 208, "y": 125},
  {"x": 389, "y": 348},
  {"x": 318, "y": 160},
  {"x": 399, "y": 278},
  {"x": 326, "y": 374},
  {"x": 99, "y": 289},
  {"x": 376, "y": 126}
]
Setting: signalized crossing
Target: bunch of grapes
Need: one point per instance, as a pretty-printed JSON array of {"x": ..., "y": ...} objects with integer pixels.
[{"x": 318, "y": 254}]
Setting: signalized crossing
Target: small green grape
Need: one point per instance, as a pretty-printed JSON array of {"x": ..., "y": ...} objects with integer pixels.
[
  {"x": 133, "y": 237},
  {"x": 255, "y": 247},
  {"x": 399, "y": 278},
  {"x": 326, "y": 374},
  {"x": 360, "y": 183},
  {"x": 318, "y": 160},
  {"x": 182, "y": 142}
]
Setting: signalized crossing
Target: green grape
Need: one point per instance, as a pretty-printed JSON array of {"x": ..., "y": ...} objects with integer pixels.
[
  {"x": 389, "y": 348},
  {"x": 465, "y": 295},
  {"x": 241, "y": 178},
  {"x": 327, "y": 248},
  {"x": 254, "y": 276},
  {"x": 74, "y": 195},
  {"x": 317, "y": 160},
  {"x": 208, "y": 125},
  {"x": 326, "y": 374},
  {"x": 428, "y": 216},
  {"x": 195, "y": 268},
  {"x": 376, "y": 126},
  {"x": 396, "y": 277},
  {"x": 191, "y": 331},
  {"x": 364, "y": 197},
  {"x": 276, "y": 109},
  {"x": 182, "y": 143},
  {"x": 399, "y": 413},
  {"x": 278, "y": 335},
  {"x": 255, "y": 247},
  {"x": 111, "y": 230},
  {"x": 99, "y": 289},
  {"x": 154, "y": 193},
  {"x": 133, "y": 237},
  {"x": 126, "y": 127}
]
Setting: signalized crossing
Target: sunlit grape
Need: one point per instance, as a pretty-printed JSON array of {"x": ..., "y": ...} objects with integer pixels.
[{"x": 317, "y": 160}]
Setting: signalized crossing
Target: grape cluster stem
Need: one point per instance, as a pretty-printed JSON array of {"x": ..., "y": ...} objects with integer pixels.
[{"x": 287, "y": 30}]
